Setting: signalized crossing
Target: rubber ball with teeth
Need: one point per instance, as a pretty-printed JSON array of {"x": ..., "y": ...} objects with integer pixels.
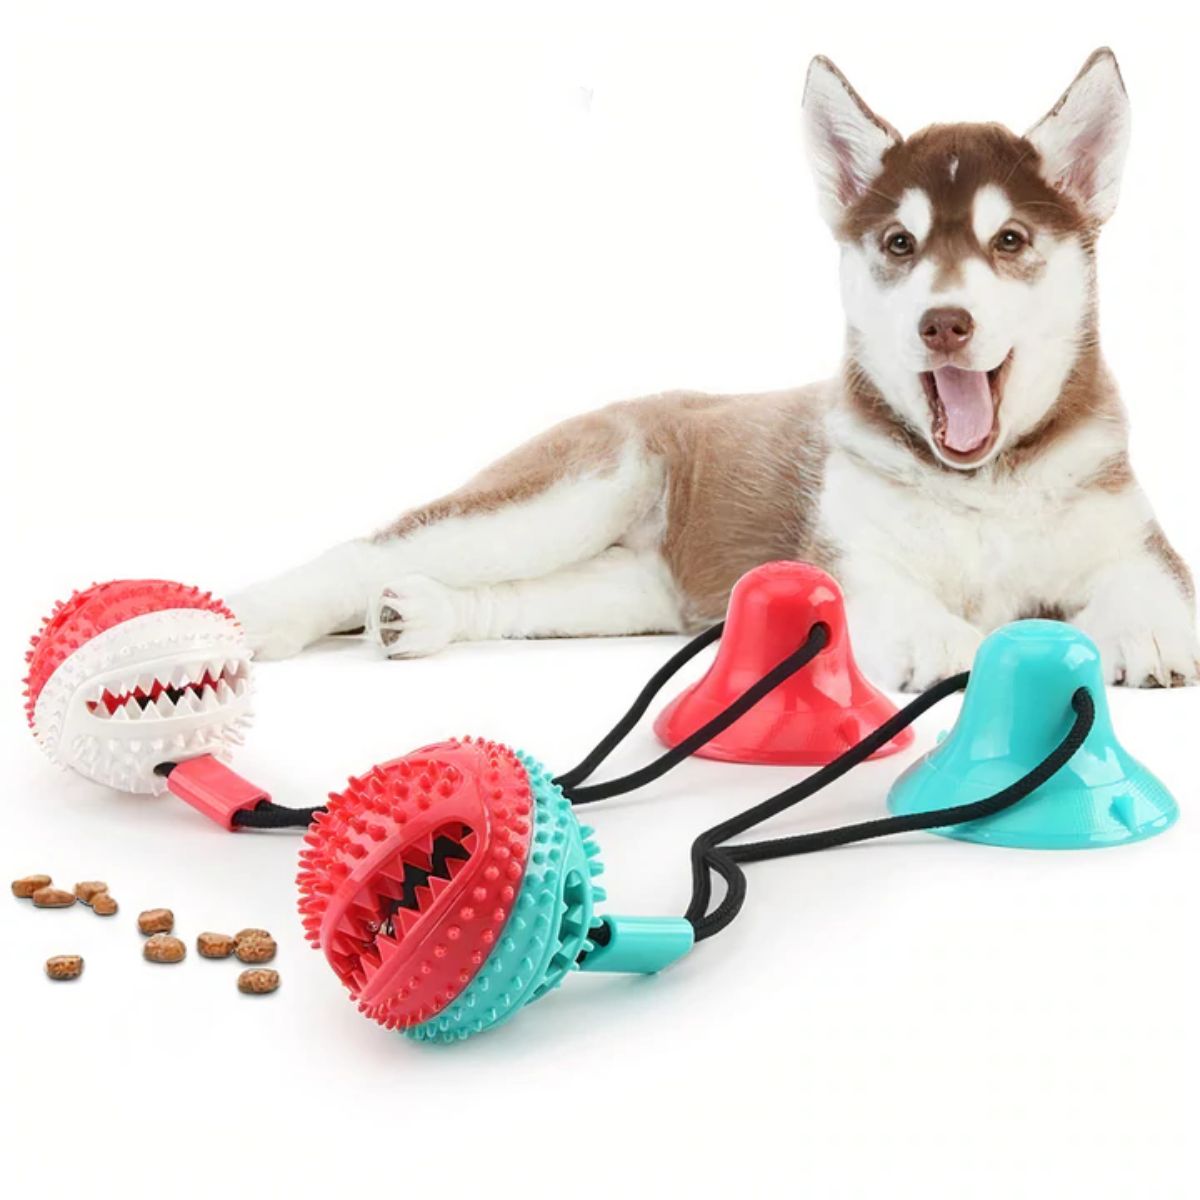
[
  {"x": 450, "y": 888},
  {"x": 128, "y": 674}
]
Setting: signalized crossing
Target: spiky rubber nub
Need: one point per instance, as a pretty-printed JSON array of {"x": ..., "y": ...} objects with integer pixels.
[
  {"x": 449, "y": 888},
  {"x": 131, "y": 673}
]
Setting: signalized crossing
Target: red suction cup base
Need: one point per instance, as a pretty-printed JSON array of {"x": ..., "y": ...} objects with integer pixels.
[{"x": 783, "y": 741}]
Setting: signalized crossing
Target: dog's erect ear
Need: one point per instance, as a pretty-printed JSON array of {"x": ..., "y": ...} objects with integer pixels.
[
  {"x": 846, "y": 140},
  {"x": 1083, "y": 138}
]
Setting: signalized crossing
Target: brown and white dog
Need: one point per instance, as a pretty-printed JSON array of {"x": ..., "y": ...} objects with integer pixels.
[{"x": 969, "y": 467}]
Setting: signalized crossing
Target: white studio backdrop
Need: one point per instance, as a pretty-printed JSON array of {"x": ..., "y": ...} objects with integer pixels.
[{"x": 271, "y": 272}]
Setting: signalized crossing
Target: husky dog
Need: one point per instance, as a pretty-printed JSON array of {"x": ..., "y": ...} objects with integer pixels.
[{"x": 969, "y": 466}]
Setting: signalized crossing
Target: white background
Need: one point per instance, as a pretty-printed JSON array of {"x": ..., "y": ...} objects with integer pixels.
[{"x": 272, "y": 272}]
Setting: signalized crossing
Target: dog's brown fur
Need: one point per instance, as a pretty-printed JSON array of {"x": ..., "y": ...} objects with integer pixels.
[
  {"x": 732, "y": 500},
  {"x": 587, "y": 444}
]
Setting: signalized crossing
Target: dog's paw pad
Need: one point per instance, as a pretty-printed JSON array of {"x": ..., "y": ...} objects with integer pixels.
[{"x": 412, "y": 618}]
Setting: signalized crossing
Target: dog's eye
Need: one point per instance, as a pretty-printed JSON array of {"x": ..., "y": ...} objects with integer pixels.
[
  {"x": 900, "y": 244},
  {"x": 1011, "y": 240}
]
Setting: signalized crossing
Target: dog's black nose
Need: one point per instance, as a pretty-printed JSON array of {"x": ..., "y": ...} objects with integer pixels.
[{"x": 946, "y": 329}]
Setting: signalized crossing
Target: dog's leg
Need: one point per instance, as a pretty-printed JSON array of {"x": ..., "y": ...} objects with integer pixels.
[
  {"x": 284, "y": 614},
  {"x": 620, "y": 591},
  {"x": 480, "y": 535},
  {"x": 1141, "y": 617},
  {"x": 904, "y": 637}
]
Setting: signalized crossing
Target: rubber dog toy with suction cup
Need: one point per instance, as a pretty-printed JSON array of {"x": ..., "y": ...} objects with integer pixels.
[
  {"x": 144, "y": 685},
  {"x": 453, "y": 887}
]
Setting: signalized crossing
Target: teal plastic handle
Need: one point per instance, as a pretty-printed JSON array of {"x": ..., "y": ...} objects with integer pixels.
[{"x": 639, "y": 945}]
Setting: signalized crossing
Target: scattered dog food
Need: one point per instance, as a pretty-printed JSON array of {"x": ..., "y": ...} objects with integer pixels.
[
  {"x": 215, "y": 945},
  {"x": 162, "y": 948},
  {"x": 250, "y": 945},
  {"x": 24, "y": 888},
  {"x": 259, "y": 948},
  {"x": 64, "y": 966},
  {"x": 52, "y": 897},
  {"x": 87, "y": 892},
  {"x": 258, "y": 982},
  {"x": 156, "y": 920}
]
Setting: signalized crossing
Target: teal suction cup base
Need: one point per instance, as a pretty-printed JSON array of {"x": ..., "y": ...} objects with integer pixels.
[
  {"x": 1016, "y": 708},
  {"x": 1052, "y": 818}
]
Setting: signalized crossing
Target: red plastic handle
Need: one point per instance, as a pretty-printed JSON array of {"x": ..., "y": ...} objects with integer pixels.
[{"x": 211, "y": 787}]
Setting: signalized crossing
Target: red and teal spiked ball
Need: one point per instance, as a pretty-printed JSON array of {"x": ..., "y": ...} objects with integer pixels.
[{"x": 450, "y": 888}]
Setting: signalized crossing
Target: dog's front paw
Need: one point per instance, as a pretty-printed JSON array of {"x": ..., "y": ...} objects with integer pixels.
[
  {"x": 1140, "y": 649},
  {"x": 412, "y": 618},
  {"x": 917, "y": 655},
  {"x": 270, "y": 624}
]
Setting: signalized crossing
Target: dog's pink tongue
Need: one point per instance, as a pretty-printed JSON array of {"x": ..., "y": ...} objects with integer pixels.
[{"x": 966, "y": 398}]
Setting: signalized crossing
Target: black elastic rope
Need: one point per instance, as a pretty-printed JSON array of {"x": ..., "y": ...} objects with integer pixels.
[
  {"x": 617, "y": 734},
  {"x": 860, "y": 752},
  {"x": 708, "y": 856},
  {"x": 814, "y": 643},
  {"x": 268, "y": 815}
]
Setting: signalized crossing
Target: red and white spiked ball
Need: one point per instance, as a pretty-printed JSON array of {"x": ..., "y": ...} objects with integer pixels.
[{"x": 130, "y": 674}]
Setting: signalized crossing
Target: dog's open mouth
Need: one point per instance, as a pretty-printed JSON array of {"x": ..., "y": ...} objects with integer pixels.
[{"x": 966, "y": 410}]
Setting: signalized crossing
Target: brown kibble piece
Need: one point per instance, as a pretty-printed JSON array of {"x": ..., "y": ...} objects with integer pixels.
[
  {"x": 64, "y": 966},
  {"x": 215, "y": 945},
  {"x": 250, "y": 933},
  {"x": 87, "y": 892},
  {"x": 52, "y": 897},
  {"x": 258, "y": 949},
  {"x": 103, "y": 905},
  {"x": 258, "y": 982},
  {"x": 162, "y": 948},
  {"x": 24, "y": 888},
  {"x": 156, "y": 920}
]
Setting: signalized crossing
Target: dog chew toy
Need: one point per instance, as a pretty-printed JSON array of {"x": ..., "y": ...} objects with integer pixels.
[
  {"x": 808, "y": 720},
  {"x": 453, "y": 886},
  {"x": 1023, "y": 676},
  {"x": 144, "y": 686}
]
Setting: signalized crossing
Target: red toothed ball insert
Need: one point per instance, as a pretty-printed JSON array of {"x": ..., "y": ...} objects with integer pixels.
[{"x": 409, "y": 877}]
